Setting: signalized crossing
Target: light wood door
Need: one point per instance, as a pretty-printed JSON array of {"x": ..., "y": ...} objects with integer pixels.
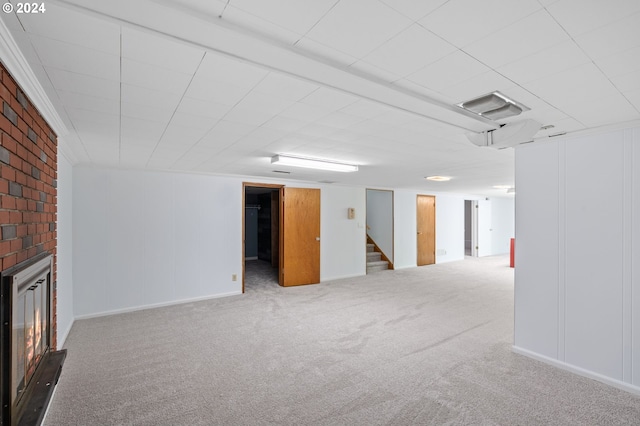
[
  {"x": 426, "y": 228},
  {"x": 300, "y": 236}
]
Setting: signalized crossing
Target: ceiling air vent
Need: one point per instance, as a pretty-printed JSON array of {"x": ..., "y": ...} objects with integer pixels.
[{"x": 494, "y": 106}]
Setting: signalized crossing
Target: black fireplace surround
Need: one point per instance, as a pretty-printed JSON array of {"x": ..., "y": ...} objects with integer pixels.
[{"x": 29, "y": 367}]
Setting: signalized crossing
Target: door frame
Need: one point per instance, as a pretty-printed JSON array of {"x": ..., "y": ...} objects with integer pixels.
[
  {"x": 246, "y": 185},
  {"x": 393, "y": 224}
]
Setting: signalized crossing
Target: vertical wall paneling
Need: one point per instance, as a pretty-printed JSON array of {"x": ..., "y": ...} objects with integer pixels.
[
  {"x": 562, "y": 247},
  {"x": 627, "y": 301},
  {"x": 536, "y": 255},
  {"x": 594, "y": 202},
  {"x": 577, "y": 288},
  {"x": 635, "y": 258}
]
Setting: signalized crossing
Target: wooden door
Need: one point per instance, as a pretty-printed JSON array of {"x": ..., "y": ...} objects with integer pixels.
[
  {"x": 426, "y": 228},
  {"x": 300, "y": 236}
]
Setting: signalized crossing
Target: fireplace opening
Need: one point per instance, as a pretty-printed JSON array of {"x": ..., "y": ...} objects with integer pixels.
[{"x": 29, "y": 366}]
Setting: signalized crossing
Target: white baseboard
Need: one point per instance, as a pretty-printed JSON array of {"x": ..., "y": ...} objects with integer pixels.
[
  {"x": 341, "y": 277},
  {"x": 628, "y": 387},
  {"x": 156, "y": 305}
]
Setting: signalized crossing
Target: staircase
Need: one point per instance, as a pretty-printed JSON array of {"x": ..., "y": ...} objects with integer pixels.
[{"x": 374, "y": 260}]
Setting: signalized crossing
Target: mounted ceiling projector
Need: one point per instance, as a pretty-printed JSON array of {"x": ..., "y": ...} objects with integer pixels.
[
  {"x": 496, "y": 106},
  {"x": 509, "y": 135}
]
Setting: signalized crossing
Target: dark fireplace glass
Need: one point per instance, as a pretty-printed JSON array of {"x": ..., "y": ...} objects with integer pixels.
[
  {"x": 30, "y": 332},
  {"x": 26, "y": 335}
]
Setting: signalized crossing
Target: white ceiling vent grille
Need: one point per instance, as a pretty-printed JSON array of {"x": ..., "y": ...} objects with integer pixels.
[{"x": 494, "y": 106}]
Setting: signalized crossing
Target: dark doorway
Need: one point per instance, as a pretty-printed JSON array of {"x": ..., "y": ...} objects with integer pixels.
[{"x": 261, "y": 236}]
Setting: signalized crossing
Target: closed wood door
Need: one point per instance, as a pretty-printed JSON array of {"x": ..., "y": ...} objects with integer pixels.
[
  {"x": 426, "y": 229},
  {"x": 300, "y": 236}
]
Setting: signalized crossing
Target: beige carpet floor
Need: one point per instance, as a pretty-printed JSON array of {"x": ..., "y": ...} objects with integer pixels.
[{"x": 420, "y": 346}]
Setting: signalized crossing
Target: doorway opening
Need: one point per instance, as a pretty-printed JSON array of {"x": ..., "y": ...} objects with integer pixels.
[
  {"x": 261, "y": 236},
  {"x": 379, "y": 230},
  {"x": 471, "y": 228}
]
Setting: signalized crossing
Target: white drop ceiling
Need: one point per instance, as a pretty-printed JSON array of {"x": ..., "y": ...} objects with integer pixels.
[{"x": 212, "y": 86}]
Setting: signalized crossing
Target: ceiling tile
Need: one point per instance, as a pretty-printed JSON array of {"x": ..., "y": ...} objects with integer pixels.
[
  {"x": 205, "y": 7},
  {"x": 153, "y": 77},
  {"x": 607, "y": 110},
  {"x": 77, "y": 59},
  {"x": 161, "y": 52},
  {"x": 375, "y": 24},
  {"x": 284, "y": 87},
  {"x": 365, "y": 109},
  {"x": 414, "y": 9},
  {"x": 462, "y": 22},
  {"x": 83, "y": 84},
  {"x": 294, "y": 15},
  {"x": 220, "y": 92},
  {"x": 218, "y": 67},
  {"x": 409, "y": 51},
  {"x": 627, "y": 82},
  {"x": 202, "y": 108},
  {"x": 142, "y": 131},
  {"x": 260, "y": 26},
  {"x": 305, "y": 113},
  {"x": 450, "y": 70},
  {"x": 324, "y": 52},
  {"x": 156, "y": 99},
  {"x": 612, "y": 38},
  {"x": 620, "y": 63},
  {"x": 580, "y": 84},
  {"x": 479, "y": 85},
  {"x": 63, "y": 24},
  {"x": 544, "y": 63},
  {"x": 329, "y": 98},
  {"x": 579, "y": 16},
  {"x": 146, "y": 112},
  {"x": 91, "y": 103},
  {"x": 526, "y": 37},
  {"x": 249, "y": 116}
]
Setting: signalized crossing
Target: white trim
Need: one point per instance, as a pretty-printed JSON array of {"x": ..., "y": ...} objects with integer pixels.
[
  {"x": 341, "y": 277},
  {"x": 21, "y": 71},
  {"x": 157, "y": 305},
  {"x": 579, "y": 371}
]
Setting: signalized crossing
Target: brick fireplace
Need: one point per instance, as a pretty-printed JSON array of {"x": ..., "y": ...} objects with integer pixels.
[
  {"x": 28, "y": 164},
  {"x": 29, "y": 364}
]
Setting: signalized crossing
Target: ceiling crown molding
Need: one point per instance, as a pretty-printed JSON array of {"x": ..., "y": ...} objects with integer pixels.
[{"x": 21, "y": 71}]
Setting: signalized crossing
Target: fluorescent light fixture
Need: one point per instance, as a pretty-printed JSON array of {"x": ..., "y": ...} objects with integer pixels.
[
  {"x": 502, "y": 186},
  {"x": 312, "y": 163},
  {"x": 438, "y": 178}
]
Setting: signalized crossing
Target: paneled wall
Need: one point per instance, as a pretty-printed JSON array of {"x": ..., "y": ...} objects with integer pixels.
[{"x": 577, "y": 264}]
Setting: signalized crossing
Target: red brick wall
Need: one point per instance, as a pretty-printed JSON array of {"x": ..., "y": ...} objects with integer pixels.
[{"x": 28, "y": 167}]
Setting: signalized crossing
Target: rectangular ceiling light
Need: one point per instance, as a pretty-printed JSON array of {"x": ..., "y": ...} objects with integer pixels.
[{"x": 312, "y": 163}]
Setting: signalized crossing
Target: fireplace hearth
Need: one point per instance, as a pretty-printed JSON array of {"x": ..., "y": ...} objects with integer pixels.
[{"x": 28, "y": 365}]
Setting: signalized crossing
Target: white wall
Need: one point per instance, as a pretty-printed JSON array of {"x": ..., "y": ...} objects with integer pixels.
[
  {"x": 502, "y": 224},
  {"x": 343, "y": 241},
  {"x": 577, "y": 296},
  {"x": 145, "y": 239},
  {"x": 380, "y": 219},
  {"x": 449, "y": 228},
  {"x": 64, "y": 249}
]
